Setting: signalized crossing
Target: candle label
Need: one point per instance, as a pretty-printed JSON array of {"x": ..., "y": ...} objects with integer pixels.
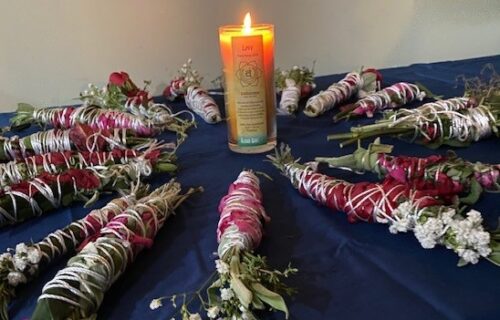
[{"x": 250, "y": 90}]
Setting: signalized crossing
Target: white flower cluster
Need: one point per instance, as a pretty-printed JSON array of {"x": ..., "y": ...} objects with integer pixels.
[
  {"x": 24, "y": 260},
  {"x": 472, "y": 241},
  {"x": 194, "y": 316},
  {"x": 226, "y": 294},
  {"x": 404, "y": 218},
  {"x": 155, "y": 304},
  {"x": 465, "y": 236},
  {"x": 221, "y": 266}
]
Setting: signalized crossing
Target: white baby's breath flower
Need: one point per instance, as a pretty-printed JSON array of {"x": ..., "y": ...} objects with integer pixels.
[
  {"x": 469, "y": 256},
  {"x": 21, "y": 248},
  {"x": 295, "y": 68},
  {"x": 430, "y": 232},
  {"x": 401, "y": 225},
  {"x": 155, "y": 304},
  {"x": 484, "y": 251},
  {"x": 212, "y": 312},
  {"x": 5, "y": 256},
  {"x": 20, "y": 263},
  {"x": 14, "y": 278},
  {"x": 226, "y": 293},
  {"x": 221, "y": 266},
  {"x": 194, "y": 316},
  {"x": 474, "y": 216},
  {"x": 34, "y": 255},
  {"x": 448, "y": 215}
]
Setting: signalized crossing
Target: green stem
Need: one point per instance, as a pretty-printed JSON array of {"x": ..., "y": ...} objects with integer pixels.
[
  {"x": 345, "y": 113},
  {"x": 341, "y": 136},
  {"x": 370, "y": 127},
  {"x": 344, "y": 161}
]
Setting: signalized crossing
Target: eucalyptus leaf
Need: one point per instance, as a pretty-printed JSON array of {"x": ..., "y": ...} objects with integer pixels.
[
  {"x": 241, "y": 291},
  {"x": 257, "y": 303},
  {"x": 271, "y": 298}
]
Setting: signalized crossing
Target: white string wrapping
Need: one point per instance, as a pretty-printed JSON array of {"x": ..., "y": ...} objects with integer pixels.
[
  {"x": 290, "y": 96},
  {"x": 56, "y": 140},
  {"x": 335, "y": 94},
  {"x": 95, "y": 117},
  {"x": 319, "y": 187},
  {"x": 396, "y": 95},
  {"x": 471, "y": 124},
  {"x": 198, "y": 100},
  {"x": 92, "y": 271},
  {"x": 35, "y": 186},
  {"x": 59, "y": 242},
  {"x": 113, "y": 174},
  {"x": 245, "y": 199},
  {"x": 18, "y": 170}
]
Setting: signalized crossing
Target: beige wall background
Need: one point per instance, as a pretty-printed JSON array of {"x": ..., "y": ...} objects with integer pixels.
[{"x": 51, "y": 49}]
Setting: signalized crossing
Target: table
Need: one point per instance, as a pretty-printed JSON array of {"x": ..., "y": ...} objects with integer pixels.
[{"x": 347, "y": 271}]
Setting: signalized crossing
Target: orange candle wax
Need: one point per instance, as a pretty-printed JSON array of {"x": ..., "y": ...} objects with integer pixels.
[{"x": 248, "y": 64}]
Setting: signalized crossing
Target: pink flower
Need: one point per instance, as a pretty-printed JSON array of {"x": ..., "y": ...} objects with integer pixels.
[{"x": 118, "y": 78}]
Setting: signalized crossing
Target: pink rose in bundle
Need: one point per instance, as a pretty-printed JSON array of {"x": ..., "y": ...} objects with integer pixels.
[
  {"x": 306, "y": 90},
  {"x": 139, "y": 97},
  {"x": 62, "y": 118},
  {"x": 119, "y": 78},
  {"x": 129, "y": 88},
  {"x": 237, "y": 186},
  {"x": 247, "y": 224},
  {"x": 378, "y": 75},
  {"x": 82, "y": 136},
  {"x": 487, "y": 179},
  {"x": 399, "y": 167},
  {"x": 83, "y": 178},
  {"x": 175, "y": 88},
  {"x": 58, "y": 158},
  {"x": 21, "y": 187}
]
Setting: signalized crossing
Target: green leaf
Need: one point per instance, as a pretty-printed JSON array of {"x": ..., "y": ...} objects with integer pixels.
[
  {"x": 212, "y": 292},
  {"x": 257, "y": 303},
  {"x": 271, "y": 298},
  {"x": 239, "y": 288},
  {"x": 24, "y": 107},
  {"x": 474, "y": 193},
  {"x": 494, "y": 258},
  {"x": 242, "y": 292}
]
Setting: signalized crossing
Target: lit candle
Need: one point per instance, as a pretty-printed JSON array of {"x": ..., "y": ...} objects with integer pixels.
[{"x": 247, "y": 53}]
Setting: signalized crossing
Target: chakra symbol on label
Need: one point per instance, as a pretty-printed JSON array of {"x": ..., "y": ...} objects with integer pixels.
[{"x": 249, "y": 74}]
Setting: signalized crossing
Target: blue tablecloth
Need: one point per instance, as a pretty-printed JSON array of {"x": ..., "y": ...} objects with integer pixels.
[{"x": 347, "y": 271}]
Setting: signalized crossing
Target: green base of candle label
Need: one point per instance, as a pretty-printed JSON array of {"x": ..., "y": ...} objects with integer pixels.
[{"x": 252, "y": 141}]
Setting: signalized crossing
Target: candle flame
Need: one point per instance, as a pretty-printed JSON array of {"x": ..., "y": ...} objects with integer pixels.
[{"x": 247, "y": 23}]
